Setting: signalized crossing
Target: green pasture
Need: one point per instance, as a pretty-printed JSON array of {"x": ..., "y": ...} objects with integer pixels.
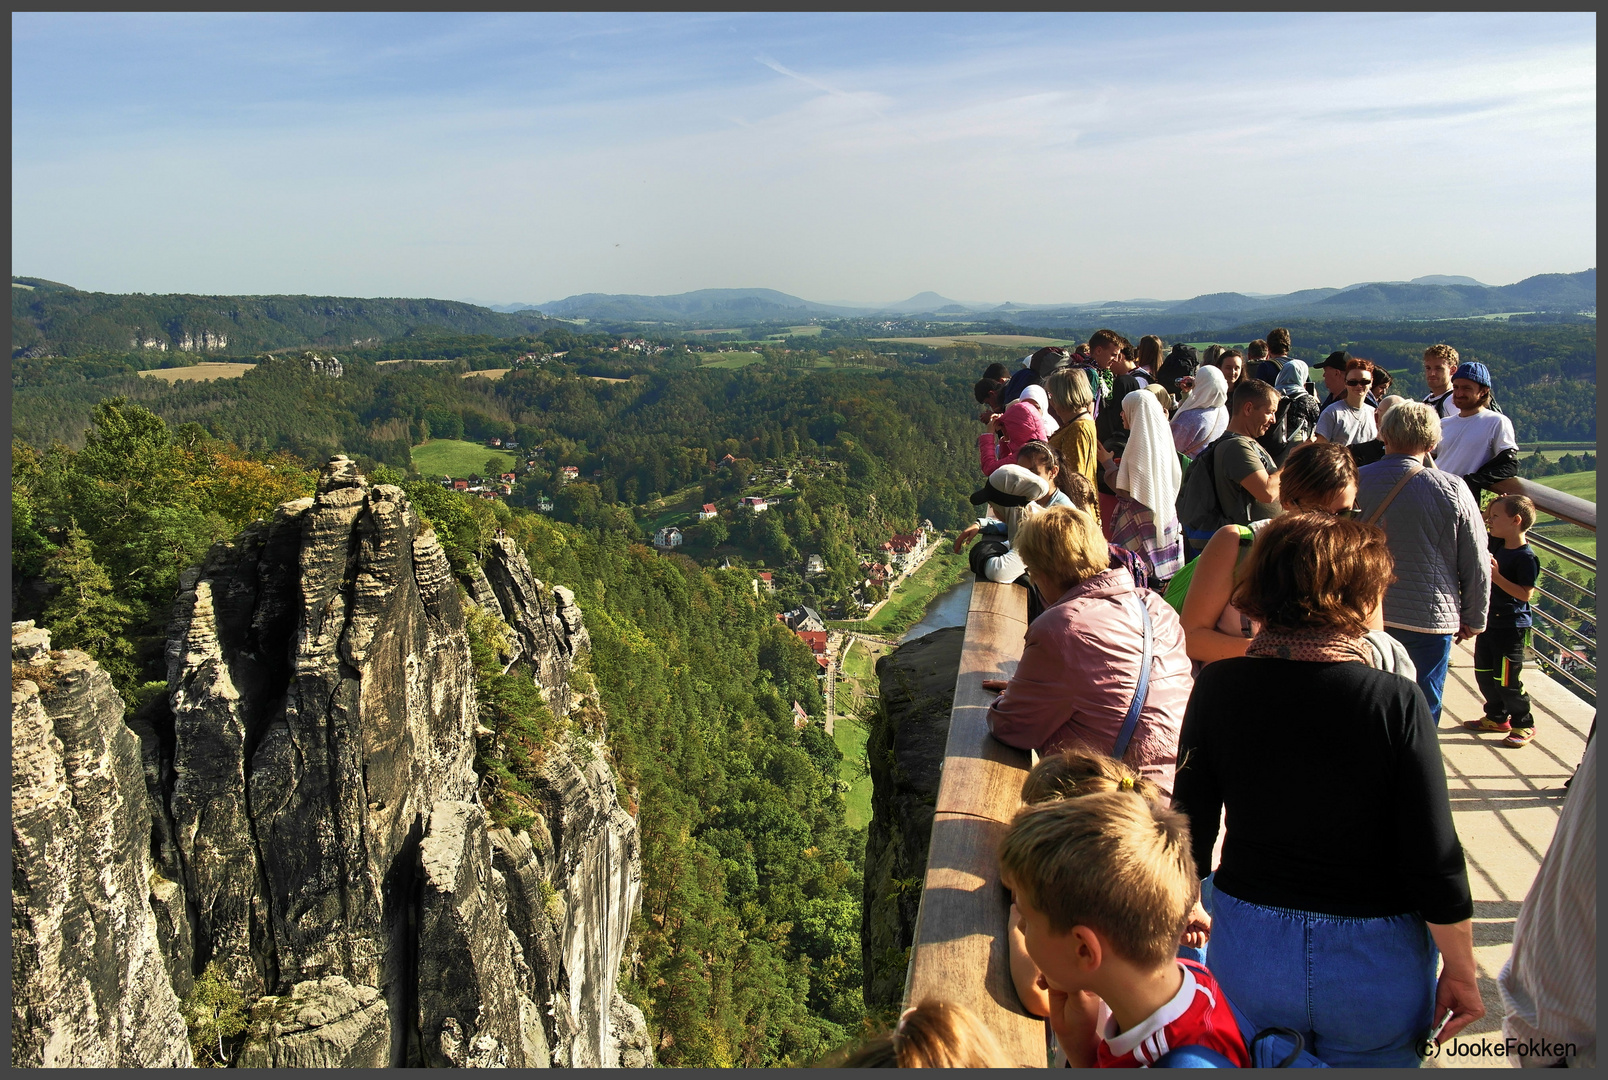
[
  {"x": 856, "y": 688},
  {"x": 730, "y": 359},
  {"x": 1582, "y": 485},
  {"x": 456, "y": 457}
]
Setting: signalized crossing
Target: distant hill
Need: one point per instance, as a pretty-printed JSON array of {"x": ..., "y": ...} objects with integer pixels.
[
  {"x": 51, "y": 319},
  {"x": 726, "y": 307},
  {"x": 1433, "y": 297},
  {"x": 929, "y": 302}
]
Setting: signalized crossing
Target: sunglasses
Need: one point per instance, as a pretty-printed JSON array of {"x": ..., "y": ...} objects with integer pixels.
[
  {"x": 1358, "y": 382},
  {"x": 1347, "y": 512}
]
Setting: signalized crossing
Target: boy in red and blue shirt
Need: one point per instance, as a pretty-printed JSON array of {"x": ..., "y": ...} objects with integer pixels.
[{"x": 1105, "y": 886}]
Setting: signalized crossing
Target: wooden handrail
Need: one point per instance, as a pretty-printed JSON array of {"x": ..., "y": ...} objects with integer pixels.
[
  {"x": 1559, "y": 504},
  {"x": 959, "y": 952}
]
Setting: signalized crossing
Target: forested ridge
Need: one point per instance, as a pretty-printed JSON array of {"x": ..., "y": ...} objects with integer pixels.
[{"x": 748, "y": 946}]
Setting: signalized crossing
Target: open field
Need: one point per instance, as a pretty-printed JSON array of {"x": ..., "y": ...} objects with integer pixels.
[
  {"x": 205, "y": 371},
  {"x": 856, "y": 688},
  {"x": 730, "y": 359},
  {"x": 605, "y": 378},
  {"x": 456, "y": 457},
  {"x": 1582, "y": 485},
  {"x": 382, "y": 363},
  {"x": 909, "y": 601},
  {"x": 1554, "y": 451},
  {"x": 979, "y": 339},
  {"x": 488, "y": 373}
]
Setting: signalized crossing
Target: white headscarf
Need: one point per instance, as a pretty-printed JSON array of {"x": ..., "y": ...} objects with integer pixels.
[
  {"x": 1037, "y": 395},
  {"x": 1210, "y": 391},
  {"x": 1149, "y": 473}
]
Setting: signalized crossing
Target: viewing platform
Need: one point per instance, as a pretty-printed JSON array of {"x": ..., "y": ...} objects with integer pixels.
[{"x": 1505, "y": 804}]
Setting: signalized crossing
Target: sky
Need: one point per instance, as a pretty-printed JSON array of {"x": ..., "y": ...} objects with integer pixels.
[{"x": 1033, "y": 158}]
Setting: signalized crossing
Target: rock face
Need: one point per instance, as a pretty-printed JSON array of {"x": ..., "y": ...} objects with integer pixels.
[
  {"x": 303, "y": 809},
  {"x": 89, "y": 986},
  {"x": 906, "y": 751}
]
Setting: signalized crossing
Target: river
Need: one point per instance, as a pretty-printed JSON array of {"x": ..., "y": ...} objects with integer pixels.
[{"x": 947, "y": 609}]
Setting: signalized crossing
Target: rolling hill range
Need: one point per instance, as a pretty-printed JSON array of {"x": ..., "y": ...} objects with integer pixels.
[{"x": 51, "y": 319}]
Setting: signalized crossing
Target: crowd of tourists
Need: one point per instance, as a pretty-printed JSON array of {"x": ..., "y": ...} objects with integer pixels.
[{"x": 1237, "y": 847}]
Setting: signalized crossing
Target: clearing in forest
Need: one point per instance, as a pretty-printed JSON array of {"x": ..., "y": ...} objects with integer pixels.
[
  {"x": 205, "y": 371},
  {"x": 488, "y": 373},
  {"x": 457, "y": 458}
]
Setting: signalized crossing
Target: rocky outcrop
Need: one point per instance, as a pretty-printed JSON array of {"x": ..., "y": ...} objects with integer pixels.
[
  {"x": 89, "y": 986},
  {"x": 321, "y": 1024},
  {"x": 906, "y": 752},
  {"x": 471, "y": 1006},
  {"x": 547, "y": 621},
  {"x": 302, "y": 809}
]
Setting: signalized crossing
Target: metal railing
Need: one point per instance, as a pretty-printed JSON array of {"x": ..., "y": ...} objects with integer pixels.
[{"x": 1574, "y": 511}]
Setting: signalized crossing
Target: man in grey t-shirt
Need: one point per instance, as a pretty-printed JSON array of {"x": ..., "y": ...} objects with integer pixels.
[{"x": 1247, "y": 482}]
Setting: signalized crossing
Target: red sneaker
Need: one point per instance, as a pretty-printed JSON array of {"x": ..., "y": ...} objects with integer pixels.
[
  {"x": 1519, "y": 736},
  {"x": 1486, "y": 724}
]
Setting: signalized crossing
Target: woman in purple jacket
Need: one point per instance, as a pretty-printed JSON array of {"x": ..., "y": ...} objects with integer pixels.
[{"x": 1080, "y": 668}]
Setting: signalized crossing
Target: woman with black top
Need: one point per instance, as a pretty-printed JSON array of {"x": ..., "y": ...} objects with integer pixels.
[{"x": 1342, "y": 873}]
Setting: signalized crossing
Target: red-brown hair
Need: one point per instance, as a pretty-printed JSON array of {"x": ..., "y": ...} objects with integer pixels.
[{"x": 1314, "y": 571}]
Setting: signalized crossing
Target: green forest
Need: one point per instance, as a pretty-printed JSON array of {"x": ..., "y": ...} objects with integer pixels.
[{"x": 749, "y": 934}]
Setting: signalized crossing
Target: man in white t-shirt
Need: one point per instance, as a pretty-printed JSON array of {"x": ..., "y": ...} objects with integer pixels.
[
  {"x": 1439, "y": 363},
  {"x": 1476, "y": 444}
]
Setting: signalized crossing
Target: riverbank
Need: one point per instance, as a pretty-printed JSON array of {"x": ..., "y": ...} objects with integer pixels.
[{"x": 908, "y": 604}]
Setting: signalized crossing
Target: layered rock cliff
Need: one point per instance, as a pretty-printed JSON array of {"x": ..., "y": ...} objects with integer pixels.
[
  {"x": 88, "y": 983},
  {"x": 312, "y": 814},
  {"x": 906, "y": 752}
]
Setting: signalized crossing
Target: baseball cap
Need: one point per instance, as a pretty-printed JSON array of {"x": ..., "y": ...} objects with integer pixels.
[
  {"x": 1011, "y": 485},
  {"x": 1337, "y": 360},
  {"x": 1474, "y": 372}
]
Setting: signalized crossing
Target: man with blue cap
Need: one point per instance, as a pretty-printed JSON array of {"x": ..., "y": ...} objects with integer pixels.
[{"x": 1477, "y": 443}]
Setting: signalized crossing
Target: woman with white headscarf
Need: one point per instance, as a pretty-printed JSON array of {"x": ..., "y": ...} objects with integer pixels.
[
  {"x": 1037, "y": 396},
  {"x": 1203, "y": 416},
  {"x": 1146, "y": 479},
  {"x": 1298, "y": 413}
]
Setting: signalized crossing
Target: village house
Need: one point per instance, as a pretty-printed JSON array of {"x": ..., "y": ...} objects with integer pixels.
[
  {"x": 460, "y": 485},
  {"x": 495, "y": 442},
  {"x": 814, "y": 565},
  {"x": 816, "y": 640},
  {"x": 667, "y": 537},
  {"x": 800, "y": 717},
  {"x": 758, "y": 502},
  {"x": 765, "y": 577},
  {"x": 708, "y": 512},
  {"x": 568, "y": 473},
  {"x": 802, "y": 618},
  {"x": 508, "y": 478},
  {"x": 544, "y": 505}
]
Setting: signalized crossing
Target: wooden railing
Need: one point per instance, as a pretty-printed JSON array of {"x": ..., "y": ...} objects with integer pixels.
[{"x": 959, "y": 953}]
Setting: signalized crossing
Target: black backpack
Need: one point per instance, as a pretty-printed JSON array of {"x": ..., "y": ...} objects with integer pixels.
[
  {"x": 1198, "y": 507},
  {"x": 1183, "y": 360},
  {"x": 1287, "y": 431}
]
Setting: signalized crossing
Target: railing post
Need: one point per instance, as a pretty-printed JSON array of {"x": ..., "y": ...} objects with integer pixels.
[{"x": 960, "y": 949}]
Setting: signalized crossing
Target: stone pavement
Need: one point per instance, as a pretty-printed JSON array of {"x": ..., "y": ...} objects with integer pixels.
[{"x": 1506, "y": 805}]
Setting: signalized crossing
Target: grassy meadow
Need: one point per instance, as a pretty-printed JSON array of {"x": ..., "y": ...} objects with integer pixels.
[
  {"x": 730, "y": 359},
  {"x": 456, "y": 457}
]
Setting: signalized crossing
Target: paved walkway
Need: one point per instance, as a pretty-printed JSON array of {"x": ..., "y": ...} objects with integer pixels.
[{"x": 1506, "y": 805}]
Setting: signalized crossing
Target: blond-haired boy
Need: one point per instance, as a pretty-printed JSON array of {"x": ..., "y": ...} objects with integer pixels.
[{"x": 1105, "y": 885}]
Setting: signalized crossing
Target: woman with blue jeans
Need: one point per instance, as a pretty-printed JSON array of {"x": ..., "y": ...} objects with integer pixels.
[{"x": 1342, "y": 875}]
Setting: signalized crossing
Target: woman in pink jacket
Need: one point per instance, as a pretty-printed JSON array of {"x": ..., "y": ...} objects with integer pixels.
[
  {"x": 1080, "y": 668},
  {"x": 1018, "y": 425}
]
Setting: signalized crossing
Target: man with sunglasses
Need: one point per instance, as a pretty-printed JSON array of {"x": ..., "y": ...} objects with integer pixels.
[{"x": 1350, "y": 420}]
